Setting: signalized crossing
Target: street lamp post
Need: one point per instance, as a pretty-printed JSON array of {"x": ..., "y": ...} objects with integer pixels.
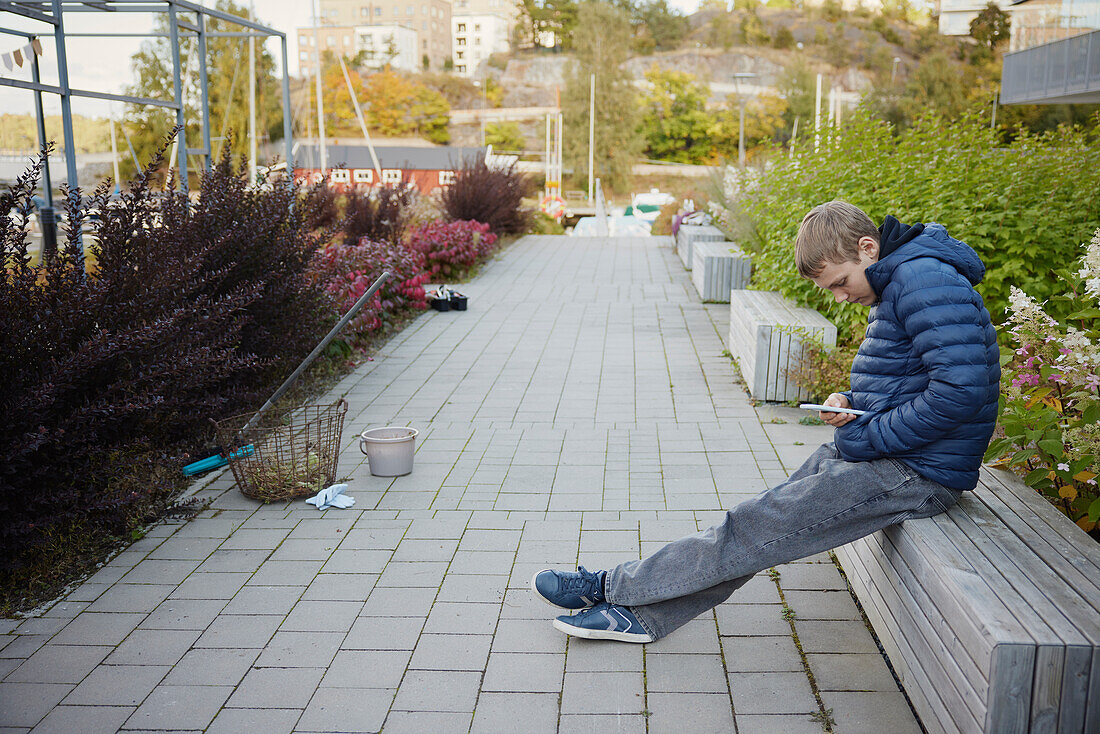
[{"x": 737, "y": 77}]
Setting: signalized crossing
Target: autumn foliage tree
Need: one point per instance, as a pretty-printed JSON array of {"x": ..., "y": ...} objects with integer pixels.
[{"x": 395, "y": 105}]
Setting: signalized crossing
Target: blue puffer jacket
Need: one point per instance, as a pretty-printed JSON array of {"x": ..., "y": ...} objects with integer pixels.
[{"x": 928, "y": 370}]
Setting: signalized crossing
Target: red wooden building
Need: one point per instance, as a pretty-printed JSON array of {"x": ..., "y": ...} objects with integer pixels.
[{"x": 430, "y": 169}]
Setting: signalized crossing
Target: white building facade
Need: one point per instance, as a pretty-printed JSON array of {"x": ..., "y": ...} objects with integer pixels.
[
  {"x": 395, "y": 45},
  {"x": 475, "y": 37}
]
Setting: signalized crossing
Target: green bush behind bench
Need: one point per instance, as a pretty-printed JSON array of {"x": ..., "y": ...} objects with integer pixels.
[{"x": 1025, "y": 205}]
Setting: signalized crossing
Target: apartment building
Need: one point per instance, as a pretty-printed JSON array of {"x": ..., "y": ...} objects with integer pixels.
[
  {"x": 475, "y": 38},
  {"x": 431, "y": 19}
]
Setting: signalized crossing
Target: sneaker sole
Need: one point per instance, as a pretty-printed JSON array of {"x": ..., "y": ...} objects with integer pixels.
[
  {"x": 547, "y": 601},
  {"x": 600, "y": 634}
]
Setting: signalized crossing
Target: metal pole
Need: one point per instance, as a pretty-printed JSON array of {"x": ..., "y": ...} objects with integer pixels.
[
  {"x": 114, "y": 152},
  {"x": 47, "y": 222},
  {"x": 741, "y": 137},
  {"x": 817, "y": 114},
  {"x": 177, "y": 90},
  {"x": 320, "y": 101},
  {"x": 362, "y": 121},
  {"x": 591, "y": 131},
  {"x": 252, "y": 99},
  {"x": 288, "y": 135},
  {"x": 205, "y": 99},
  {"x": 66, "y": 107}
]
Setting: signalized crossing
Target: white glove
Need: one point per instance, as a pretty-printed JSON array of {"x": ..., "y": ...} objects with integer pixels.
[{"x": 332, "y": 497}]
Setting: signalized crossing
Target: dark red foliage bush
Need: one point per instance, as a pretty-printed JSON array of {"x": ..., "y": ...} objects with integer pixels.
[
  {"x": 347, "y": 271},
  {"x": 191, "y": 312},
  {"x": 379, "y": 213},
  {"x": 450, "y": 249},
  {"x": 489, "y": 194}
]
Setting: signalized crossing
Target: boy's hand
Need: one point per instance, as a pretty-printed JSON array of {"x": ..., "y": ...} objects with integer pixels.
[{"x": 836, "y": 420}]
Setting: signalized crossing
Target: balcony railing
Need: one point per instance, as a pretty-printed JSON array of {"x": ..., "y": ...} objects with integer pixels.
[{"x": 1065, "y": 71}]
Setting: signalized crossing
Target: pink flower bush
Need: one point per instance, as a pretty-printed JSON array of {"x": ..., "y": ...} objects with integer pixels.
[
  {"x": 347, "y": 271},
  {"x": 451, "y": 249},
  {"x": 1051, "y": 377}
]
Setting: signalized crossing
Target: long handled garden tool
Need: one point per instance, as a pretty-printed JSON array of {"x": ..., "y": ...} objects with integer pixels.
[{"x": 219, "y": 460}]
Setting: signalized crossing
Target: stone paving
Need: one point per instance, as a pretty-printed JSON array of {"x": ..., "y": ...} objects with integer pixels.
[{"x": 581, "y": 411}]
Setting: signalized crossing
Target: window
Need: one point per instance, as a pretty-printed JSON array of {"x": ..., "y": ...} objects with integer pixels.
[
  {"x": 340, "y": 175},
  {"x": 477, "y": 41},
  {"x": 410, "y": 10},
  {"x": 347, "y": 40},
  {"x": 330, "y": 41},
  {"x": 461, "y": 29},
  {"x": 378, "y": 11},
  {"x": 458, "y": 42},
  {"x": 477, "y": 28},
  {"x": 446, "y": 178},
  {"x": 362, "y": 175},
  {"x": 391, "y": 175},
  {"x": 304, "y": 55},
  {"x": 364, "y": 12},
  {"x": 423, "y": 9},
  {"x": 423, "y": 25},
  {"x": 459, "y": 54},
  {"x": 460, "y": 69}
]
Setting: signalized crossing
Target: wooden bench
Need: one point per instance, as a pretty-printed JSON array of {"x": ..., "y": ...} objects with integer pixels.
[
  {"x": 688, "y": 234},
  {"x": 718, "y": 268},
  {"x": 989, "y": 613},
  {"x": 765, "y": 337}
]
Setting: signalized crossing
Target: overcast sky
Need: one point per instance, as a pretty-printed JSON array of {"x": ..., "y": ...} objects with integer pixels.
[{"x": 103, "y": 64}]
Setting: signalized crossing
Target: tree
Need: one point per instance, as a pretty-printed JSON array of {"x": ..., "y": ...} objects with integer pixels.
[
  {"x": 504, "y": 136},
  {"x": 764, "y": 121},
  {"x": 798, "y": 86},
  {"x": 396, "y": 105},
  {"x": 675, "y": 121},
  {"x": 227, "y": 90},
  {"x": 991, "y": 26},
  {"x": 601, "y": 43},
  {"x": 667, "y": 26},
  {"x": 938, "y": 85}
]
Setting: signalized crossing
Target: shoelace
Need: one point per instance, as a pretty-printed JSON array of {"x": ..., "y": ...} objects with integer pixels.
[{"x": 586, "y": 581}]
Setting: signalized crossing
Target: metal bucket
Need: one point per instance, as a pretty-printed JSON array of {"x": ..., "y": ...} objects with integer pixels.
[{"x": 389, "y": 450}]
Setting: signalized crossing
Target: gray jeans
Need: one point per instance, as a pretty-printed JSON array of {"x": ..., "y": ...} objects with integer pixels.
[{"x": 826, "y": 503}]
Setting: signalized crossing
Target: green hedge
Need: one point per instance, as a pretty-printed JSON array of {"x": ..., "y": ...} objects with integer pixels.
[{"x": 1025, "y": 206}]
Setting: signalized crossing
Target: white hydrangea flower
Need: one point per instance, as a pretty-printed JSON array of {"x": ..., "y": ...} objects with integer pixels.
[
  {"x": 1025, "y": 309},
  {"x": 1090, "y": 273}
]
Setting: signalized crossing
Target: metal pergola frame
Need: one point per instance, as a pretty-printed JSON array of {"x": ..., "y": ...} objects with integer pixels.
[{"x": 52, "y": 13}]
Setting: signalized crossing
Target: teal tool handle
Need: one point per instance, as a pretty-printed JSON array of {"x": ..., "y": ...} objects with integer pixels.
[{"x": 215, "y": 461}]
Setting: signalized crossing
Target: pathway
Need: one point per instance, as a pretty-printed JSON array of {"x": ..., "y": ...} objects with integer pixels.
[{"x": 581, "y": 411}]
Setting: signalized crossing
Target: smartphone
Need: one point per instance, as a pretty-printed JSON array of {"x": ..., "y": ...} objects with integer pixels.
[{"x": 831, "y": 409}]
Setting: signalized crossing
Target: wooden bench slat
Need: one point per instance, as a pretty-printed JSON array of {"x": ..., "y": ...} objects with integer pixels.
[
  {"x": 1051, "y": 652},
  {"x": 1000, "y": 598},
  {"x": 930, "y": 651},
  {"x": 1061, "y": 693},
  {"x": 940, "y": 619},
  {"x": 1065, "y": 538},
  {"x": 925, "y": 695},
  {"x": 764, "y": 338}
]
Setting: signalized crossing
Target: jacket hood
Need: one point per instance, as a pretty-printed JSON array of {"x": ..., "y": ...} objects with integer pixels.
[{"x": 932, "y": 241}]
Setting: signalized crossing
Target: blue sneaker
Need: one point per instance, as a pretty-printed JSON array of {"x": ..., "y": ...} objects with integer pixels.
[
  {"x": 605, "y": 621},
  {"x": 578, "y": 589}
]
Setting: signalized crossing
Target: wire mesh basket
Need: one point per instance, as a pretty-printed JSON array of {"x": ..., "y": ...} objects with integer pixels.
[{"x": 296, "y": 459}]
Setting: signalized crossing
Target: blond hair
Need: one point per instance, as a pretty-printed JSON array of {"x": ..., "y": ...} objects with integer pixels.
[{"x": 830, "y": 233}]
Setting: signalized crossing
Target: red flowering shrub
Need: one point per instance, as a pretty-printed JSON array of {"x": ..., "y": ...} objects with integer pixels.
[
  {"x": 345, "y": 272},
  {"x": 451, "y": 249}
]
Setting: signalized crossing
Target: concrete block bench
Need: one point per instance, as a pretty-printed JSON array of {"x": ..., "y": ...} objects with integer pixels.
[
  {"x": 688, "y": 234},
  {"x": 765, "y": 337},
  {"x": 717, "y": 268},
  {"x": 990, "y": 613}
]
